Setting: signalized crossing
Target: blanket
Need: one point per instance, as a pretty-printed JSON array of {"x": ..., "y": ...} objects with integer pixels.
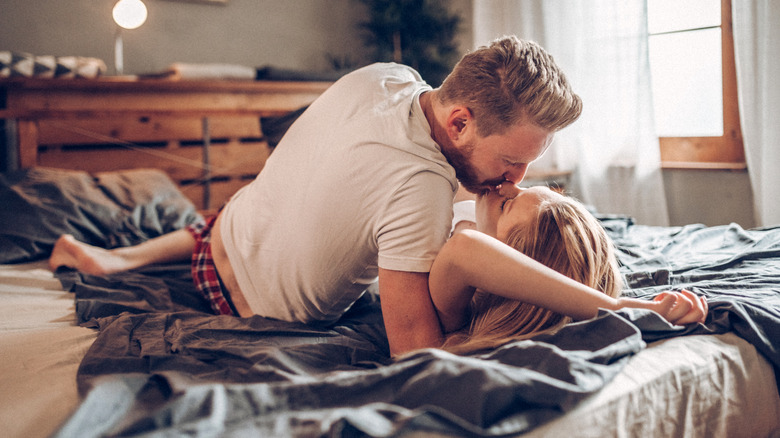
[
  {"x": 169, "y": 368},
  {"x": 216, "y": 375}
]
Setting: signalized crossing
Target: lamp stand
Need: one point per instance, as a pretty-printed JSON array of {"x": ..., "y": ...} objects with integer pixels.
[{"x": 119, "y": 52}]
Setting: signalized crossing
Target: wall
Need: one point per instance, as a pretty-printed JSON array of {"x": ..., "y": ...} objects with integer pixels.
[
  {"x": 711, "y": 197},
  {"x": 289, "y": 34}
]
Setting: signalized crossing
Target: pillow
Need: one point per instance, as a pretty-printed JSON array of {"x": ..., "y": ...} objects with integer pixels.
[{"x": 107, "y": 209}]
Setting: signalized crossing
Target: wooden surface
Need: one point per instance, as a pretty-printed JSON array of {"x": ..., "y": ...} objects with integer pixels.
[
  {"x": 66, "y": 98},
  {"x": 120, "y": 123}
]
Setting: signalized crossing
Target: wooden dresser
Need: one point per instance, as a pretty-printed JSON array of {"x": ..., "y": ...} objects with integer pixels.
[{"x": 205, "y": 134}]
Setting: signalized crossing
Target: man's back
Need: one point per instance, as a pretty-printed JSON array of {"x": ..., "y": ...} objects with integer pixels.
[{"x": 356, "y": 183}]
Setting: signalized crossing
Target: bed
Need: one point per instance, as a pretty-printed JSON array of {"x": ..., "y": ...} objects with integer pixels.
[
  {"x": 211, "y": 136},
  {"x": 138, "y": 354}
]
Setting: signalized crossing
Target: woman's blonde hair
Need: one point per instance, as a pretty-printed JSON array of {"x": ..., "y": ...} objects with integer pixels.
[
  {"x": 563, "y": 236},
  {"x": 509, "y": 82}
]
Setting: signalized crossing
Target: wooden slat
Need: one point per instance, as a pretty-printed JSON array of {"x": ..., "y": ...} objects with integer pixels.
[
  {"x": 58, "y": 106},
  {"x": 238, "y": 158},
  {"x": 181, "y": 163},
  {"x": 105, "y": 97},
  {"x": 221, "y": 191},
  {"x": 143, "y": 129},
  {"x": 27, "y": 133}
]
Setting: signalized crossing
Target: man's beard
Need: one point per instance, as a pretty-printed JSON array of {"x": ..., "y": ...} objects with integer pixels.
[{"x": 460, "y": 160}]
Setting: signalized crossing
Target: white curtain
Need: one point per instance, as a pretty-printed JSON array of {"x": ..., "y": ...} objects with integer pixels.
[
  {"x": 757, "y": 50},
  {"x": 602, "y": 47}
]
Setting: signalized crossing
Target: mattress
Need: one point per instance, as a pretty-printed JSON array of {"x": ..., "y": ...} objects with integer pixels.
[
  {"x": 707, "y": 386},
  {"x": 41, "y": 346}
]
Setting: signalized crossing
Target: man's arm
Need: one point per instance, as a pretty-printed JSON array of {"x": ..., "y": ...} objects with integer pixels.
[{"x": 409, "y": 316}]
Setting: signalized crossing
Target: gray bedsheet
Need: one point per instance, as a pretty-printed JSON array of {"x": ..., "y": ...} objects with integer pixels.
[{"x": 188, "y": 373}]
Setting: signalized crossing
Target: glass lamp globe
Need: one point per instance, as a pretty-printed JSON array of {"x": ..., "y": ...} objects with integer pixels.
[{"x": 129, "y": 14}]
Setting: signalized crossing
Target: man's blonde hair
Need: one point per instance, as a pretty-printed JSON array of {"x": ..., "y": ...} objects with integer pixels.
[
  {"x": 509, "y": 82},
  {"x": 563, "y": 236}
]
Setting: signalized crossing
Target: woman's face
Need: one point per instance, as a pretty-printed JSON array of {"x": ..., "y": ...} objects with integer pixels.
[{"x": 499, "y": 211}]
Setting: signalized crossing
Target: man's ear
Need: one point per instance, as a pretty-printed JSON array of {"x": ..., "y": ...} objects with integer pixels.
[{"x": 460, "y": 123}]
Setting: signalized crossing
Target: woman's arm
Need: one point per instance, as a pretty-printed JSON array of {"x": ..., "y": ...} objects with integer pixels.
[{"x": 471, "y": 260}]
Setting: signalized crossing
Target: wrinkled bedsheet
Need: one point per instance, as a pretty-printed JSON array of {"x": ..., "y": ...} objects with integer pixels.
[{"x": 162, "y": 366}]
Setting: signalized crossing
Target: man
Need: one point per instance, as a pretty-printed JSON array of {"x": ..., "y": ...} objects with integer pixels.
[{"x": 361, "y": 187}]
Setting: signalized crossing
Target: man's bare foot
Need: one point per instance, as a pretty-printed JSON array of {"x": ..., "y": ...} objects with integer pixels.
[{"x": 86, "y": 258}]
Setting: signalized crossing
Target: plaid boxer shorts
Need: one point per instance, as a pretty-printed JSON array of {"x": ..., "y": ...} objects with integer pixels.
[{"x": 204, "y": 273}]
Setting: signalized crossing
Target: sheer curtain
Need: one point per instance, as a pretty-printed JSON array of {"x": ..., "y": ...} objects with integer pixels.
[
  {"x": 603, "y": 49},
  {"x": 757, "y": 50}
]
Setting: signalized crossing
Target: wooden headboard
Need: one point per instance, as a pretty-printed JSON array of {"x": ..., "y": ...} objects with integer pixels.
[{"x": 205, "y": 134}]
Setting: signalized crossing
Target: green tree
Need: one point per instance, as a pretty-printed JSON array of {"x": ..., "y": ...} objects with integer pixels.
[{"x": 418, "y": 33}]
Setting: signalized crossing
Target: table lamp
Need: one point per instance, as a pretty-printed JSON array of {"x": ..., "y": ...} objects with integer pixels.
[{"x": 128, "y": 14}]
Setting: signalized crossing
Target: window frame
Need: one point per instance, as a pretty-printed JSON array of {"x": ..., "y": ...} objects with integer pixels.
[{"x": 726, "y": 151}]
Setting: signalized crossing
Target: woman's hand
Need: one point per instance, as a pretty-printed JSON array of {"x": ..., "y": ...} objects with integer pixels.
[
  {"x": 682, "y": 307},
  {"x": 679, "y": 308}
]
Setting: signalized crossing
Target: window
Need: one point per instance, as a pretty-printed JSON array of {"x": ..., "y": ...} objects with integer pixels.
[{"x": 695, "y": 84}]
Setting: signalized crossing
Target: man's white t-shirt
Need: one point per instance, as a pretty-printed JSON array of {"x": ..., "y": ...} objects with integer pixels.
[{"x": 356, "y": 183}]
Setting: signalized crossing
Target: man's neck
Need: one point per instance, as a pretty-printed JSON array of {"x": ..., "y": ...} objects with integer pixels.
[{"x": 431, "y": 109}]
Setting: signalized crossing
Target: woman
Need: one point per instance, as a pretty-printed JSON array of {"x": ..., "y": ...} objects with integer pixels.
[{"x": 487, "y": 293}]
